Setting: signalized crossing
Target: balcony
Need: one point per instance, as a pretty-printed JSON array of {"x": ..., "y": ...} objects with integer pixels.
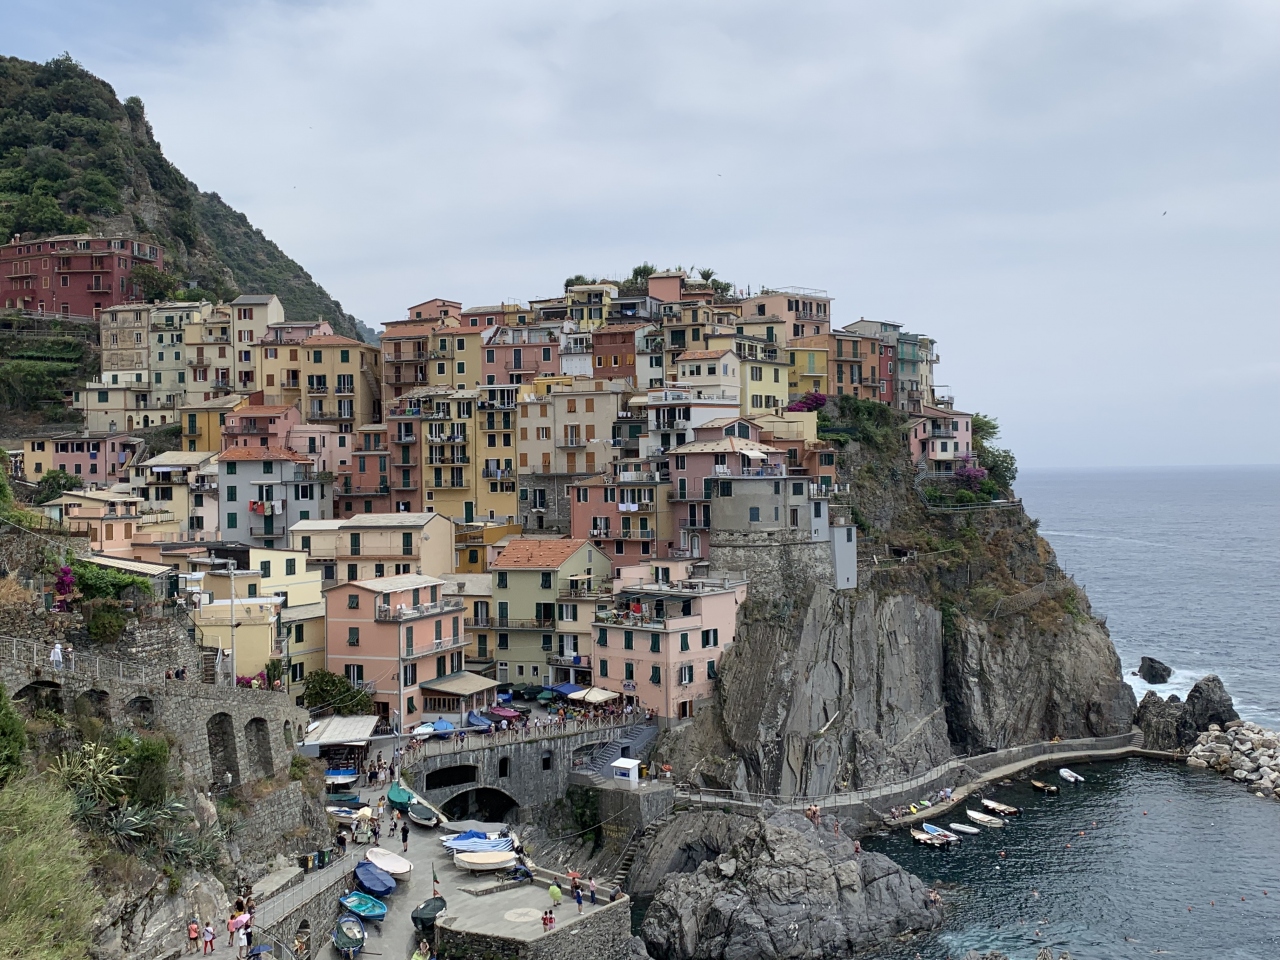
[
  {"x": 569, "y": 660},
  {"x": 156, "y": 516},
  {"x": 571, "y": 442},
  {"x": 495, "y": 473},
  {"x": 482, "y": 622},
  {"x": 641, "y": 476},
  {"x": 438, "y": 354},
  {"x": 635, "y": 535},
  {"x": 941, "y": 433},
  {"x": 258, "y": 533},
  {"x": 198, "y": 361},
  {"x": 443, "y": 645},
  {"x": 363, "y": 490},
  {"x": 450, "y": 484},
  {"x": 209, "y": 338},
  {"x": 523, "y": 366},
  {"x": 321, "y": 415},
  {"x": 341, "y": 391},
  {"x": 506, "y": 623},
  {"x": 404, "y": 438},
  {"x": 384, "y": 612},
  {"x": 448, "y": 460},
  {"x": 312, "y": 474},
  {"x": 245, "y": 429},
  {"x": 769, "y": 470},
  {"x": 412, "y": 356},
  {"x": 688, "y": 524},
  {"x": 496, "y": 404},
  {"x": 314, "y": 390}
]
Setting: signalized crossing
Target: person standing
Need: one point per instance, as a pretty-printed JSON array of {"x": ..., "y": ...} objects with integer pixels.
[
  {"x": 577, "y": 896},
  {"x": 208, "y": 938},
  {"x": 556, "y": 894},
  {"x": 591, "y": 885},
  {"x": 231, "y": 930},
  {"x": 193, "y": 935},
  {"x": 55, "y": 656},
  {"x": 404, "y": 837}
]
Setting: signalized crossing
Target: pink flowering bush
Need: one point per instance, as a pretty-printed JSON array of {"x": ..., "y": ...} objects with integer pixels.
[
  {"x": 808, "y": 403},
  {"x": 969, "y": 475},
  {"x": 260, "y": 676}
]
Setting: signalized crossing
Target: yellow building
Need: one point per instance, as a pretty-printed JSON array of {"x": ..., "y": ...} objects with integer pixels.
[
  {"x": 203, "y": 420},
  {"x": 764, "y": 371},
  {"x": 373, "y": 545},
  {"x": 807, "y": 365},
  {"x": 341, "y": 382},
  {"x": 300, "y": 640},
  {"x": 473, "y": 540},
  {"x": 235, "y": 616}
]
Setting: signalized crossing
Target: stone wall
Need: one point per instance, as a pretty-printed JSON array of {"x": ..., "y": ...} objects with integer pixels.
[
  {"x": 636, "y": 809},
  {"x": 603, "y": 934},
  {"x": 306, "y": 913},
  {"x": 286, "y": 821},
  {"x": 25, "y": 554},
  {"x": 555, "y": 518},
  {"x": 771, "y": 562}
]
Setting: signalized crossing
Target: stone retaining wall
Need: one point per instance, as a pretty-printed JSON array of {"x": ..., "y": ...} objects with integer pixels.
[
  {"x": 285, "y": 821},
  {"x": 603, "y": 934}
]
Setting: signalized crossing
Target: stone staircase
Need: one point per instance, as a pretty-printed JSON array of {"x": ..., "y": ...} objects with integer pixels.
[
  {"x": 636, "y": 740},
  {"x": 1137, "y": 739},
  {"x": 639, "y": 841}
]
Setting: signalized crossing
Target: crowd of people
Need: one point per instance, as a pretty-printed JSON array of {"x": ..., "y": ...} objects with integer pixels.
[
  {"x": 911, "y": 809},
  {"x": 203, "y": 939},
  {"x": 579, "y": 893}
]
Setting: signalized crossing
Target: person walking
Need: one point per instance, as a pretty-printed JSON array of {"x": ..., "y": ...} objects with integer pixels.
[
  {"x": 556, "y": 894},
  {"x": 577, "y": 896},
  {"x": 242, "y": 942},
  {"x": 404, "y": 837},
  {"x": 55, "y": 656},
  {"x": 591, "y": 885},
  {"x": 208, "y": 938},
  {"x": 231, "y": 930},
  {"x": 193, "y": 935}
]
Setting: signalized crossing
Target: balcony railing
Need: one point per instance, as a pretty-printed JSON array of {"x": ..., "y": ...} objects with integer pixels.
[
  {"x": 156, "y": 516},
  {"x": 569, "y": 660},
  {"x": 410, "y": 357},
  {"x": 312, "y": 474},
  {"x": 445, "y": 461},
  {"x": 493, "y": 473},
  {"x": 260, "y": 532},
  {"x": 443, "y": 645},
  {"x": 245, "y": 428},
  {"x": 689, "y": 524},
  {"x": 635, "y": 535},
  {"x": 405, "y": 612},
  {"x": 317, "y": 390},
  {"x": 364, "y": 489},
  {"x": 198, "y": 361},
  {"x": 404, "y": 438},
  {"x": 449, "y": 484},
  {"x": 524, "y": 365},
  {"x": 506, "y": 623},
  {"x": 571, "y": 442}
]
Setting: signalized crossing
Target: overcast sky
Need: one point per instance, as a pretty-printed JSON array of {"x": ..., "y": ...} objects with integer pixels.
[{"x": 1078, "y": 200}]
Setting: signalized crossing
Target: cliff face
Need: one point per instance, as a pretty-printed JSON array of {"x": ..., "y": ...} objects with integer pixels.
[{"x": 828, "y": 690}]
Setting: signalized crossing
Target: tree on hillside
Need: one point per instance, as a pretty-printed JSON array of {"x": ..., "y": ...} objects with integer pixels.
[
  {"x": 154, "y": 283},
  {"x": 54, "y": 484},
  {"x": 324, "y": 689},
  {"x": 1000, "y": 463}
]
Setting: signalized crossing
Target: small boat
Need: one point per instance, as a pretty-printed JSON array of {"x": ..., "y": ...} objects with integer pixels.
[
  {"x": 1001, "y": 808},
  {"x": 1070, "y": 776},
  {"x": 928, "y": 839},
  {"x": 364, "y": 906},
  {"x": 373, "y": 880},
  {"x": 346, "y": 775},
  {"x": 398, "y": 798},
  {"x": 425, "y": 913},
  {"x": 351, "y": 801},
  {"x": 1044, "y": 787},
  {"x": 422, "y": 815},
  {"x": 963, "y": 828},
  {"x": 347, "y": 815},
  {"x": 349, "y": 936},
  {"x": 485, "y": 860},
  {"x": 391, "y": 863},
  {"x": 984, "y": 819},
  {"x": 477, "y": 826},
  {"x": 944, "y": 835}
]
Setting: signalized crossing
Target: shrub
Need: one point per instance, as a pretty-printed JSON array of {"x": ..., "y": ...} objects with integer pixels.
[
  {"x": 106, "y": 624},
  {"x": 146, "y": 768},
  {"x": 97, "y": 582},
  {"x": 965, "y": 496},
  {"x": 13, "y": 738},
  {"x": 299, "y": 767},
  {"x": 324, "y": 689},
  {"x": 54, "y": 484}
]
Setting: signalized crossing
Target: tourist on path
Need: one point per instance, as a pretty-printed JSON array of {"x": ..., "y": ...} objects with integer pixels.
[
  {"x": 231, "y": 930},
  {"x": 577, "y": 896},
  {"x": 404, "y": 837},
  {"x": 591, "y": 885},
  {"x": 55, "y": 656},
  {"x": 208, "y": 938},
  {"x": 556, "y": 894},
  {"x": 193, "y": 935}
]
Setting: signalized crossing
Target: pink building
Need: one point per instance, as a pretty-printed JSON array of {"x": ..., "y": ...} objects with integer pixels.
[
  {"x": 98, "y": 459},
  {"x": 724, "y": 449},
  {"x": 625, "y": 513},
  {"x": 255, "y": 426},
  {"x": 942, "y": 437},
  {"x": 660, "y": 645},
  {"x": 519, "y": 354},
  {"x": 390, "y": 634}
]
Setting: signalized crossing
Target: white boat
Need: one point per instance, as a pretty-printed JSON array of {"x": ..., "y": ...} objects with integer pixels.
[
  {"x": 392, "y": 863},
  {"x": 1001, "y": 808},
  {"x": 485, "y": 860},
  {"x": 963, "y": 828},
  {"x": 945, "y": 835},
  {"x": 1070, "y": 776},
  {"x": 983, "y": 818},
  {"x": 928, "y": 839},
  {"x": 347, "y": 815}
]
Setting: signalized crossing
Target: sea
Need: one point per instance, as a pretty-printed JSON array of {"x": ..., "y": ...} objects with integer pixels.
[{"x": 1145, "y": 858}]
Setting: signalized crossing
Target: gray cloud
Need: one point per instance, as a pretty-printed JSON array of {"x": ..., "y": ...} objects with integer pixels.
[{"x": 994, "y": 174}]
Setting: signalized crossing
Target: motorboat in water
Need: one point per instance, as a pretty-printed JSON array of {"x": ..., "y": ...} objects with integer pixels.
[
  {"x": 1001, "y": 808},
  {"x": 1044, "y": 787},
  {"x": 928, "y": 839},
  {"x": 1070, "y": 776},
  {"x": 984, "y": 819},
  {"x": 946, "y": 835},
  {"x": 963, "y": 828}
]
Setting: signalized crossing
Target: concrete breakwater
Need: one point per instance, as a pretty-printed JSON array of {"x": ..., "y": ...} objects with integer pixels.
[{"x": 1243, "y": 751}]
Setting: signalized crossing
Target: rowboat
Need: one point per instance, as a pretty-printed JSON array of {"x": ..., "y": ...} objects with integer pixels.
[
  {"x": 374, "y": 880},
  {"x": 920, "y": 836},
  {"x": 1070, "y": 776},
  {"x": 398, "y": 798},
  {"x": 389, "y": 862},
  {"x": 485, "y": 860},
  {"x": 478, "y": 826},
  {"x": 1044, "y": 787},
  {"x": 1001, "y": 808},
  {"x": 985, "y": 819},
  {"x": 349, "y": 936},
  {"x": 963, "y": 828},
  {"x": 347, "y": 815},
  {"x": 938, "y": 832},
  {"x": 364, "y": 906},
  {"x": 425, "y": 913},
  {"x": 422, "y": 815},
  {"x": 341, "y": 777}
]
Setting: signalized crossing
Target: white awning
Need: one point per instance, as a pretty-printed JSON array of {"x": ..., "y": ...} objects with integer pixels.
[{"x": 755, "y": 454}]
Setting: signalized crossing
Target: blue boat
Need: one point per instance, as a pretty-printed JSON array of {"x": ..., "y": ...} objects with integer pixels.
[
  {"x": 364, "y": 906},
  {"x": 349, "y": 936},
  {"x": 374, "y": 880}
]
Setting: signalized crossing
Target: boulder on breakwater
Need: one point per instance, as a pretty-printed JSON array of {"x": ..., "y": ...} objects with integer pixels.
[
  {"x": 1244, "y": 752},
  {"x": 1153, "y": 671},
  {"x": 1173, "y": 725}
]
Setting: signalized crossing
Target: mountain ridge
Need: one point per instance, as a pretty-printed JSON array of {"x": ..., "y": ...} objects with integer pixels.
[{"x": 74, "y": 157}]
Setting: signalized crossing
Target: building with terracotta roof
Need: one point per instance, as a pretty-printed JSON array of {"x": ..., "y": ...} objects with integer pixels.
[
  {"x": 264, "y": 489},
  {"x": 542, "y": 608},
  {"x": 340, "y": 380}
]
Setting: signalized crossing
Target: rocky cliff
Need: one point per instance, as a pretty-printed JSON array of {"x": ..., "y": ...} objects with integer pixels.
[
  {"x": 828, "y": 690},
  {"x": 777, "y": 888}
]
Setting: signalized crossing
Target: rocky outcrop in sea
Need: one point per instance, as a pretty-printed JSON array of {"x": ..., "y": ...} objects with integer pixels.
[
  {"x": 785, "y": 888},
  {"x": 1172, "y": 725},
  {"x": 1242, "y": 751}
]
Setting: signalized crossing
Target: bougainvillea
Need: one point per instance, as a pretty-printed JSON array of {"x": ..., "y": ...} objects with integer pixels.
[
  {"x": 808, "y": 403},
  {"x": 259, "y": 678},
  {"x": 968, "y": 474}
]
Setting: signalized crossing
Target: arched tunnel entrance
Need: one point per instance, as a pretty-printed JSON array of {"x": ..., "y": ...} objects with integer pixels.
[
  {"x": 451, "y": 777},
  {"x": 483, "y": 803}
]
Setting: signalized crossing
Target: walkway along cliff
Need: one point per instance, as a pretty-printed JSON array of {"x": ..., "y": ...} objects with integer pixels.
[{"x": 962, "y": 637}]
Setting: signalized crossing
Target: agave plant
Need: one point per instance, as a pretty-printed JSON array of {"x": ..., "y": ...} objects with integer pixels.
[{"x": 92, "y": 772}]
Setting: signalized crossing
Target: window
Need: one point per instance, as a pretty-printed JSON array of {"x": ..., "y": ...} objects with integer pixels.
[
  {"x": 684, "y": 642},
  {"x": 353, "y": 636},
  {"x": 354, "y": 672},
  {"x": 297, "y": 672},
  {"x": 655, "y": 643},
  {"x": 753, "y": 514},
  {"x": 655, "y": 675},
  {"x": 628, "y": 671},
  {"x": 602, "y": 639},
  {"x": 265, "y": 567},
  {"x": 502, "y": 579},
  {"x": 410, "y": 673},
  {"x": 355, "y": 544},
  {"x": 711, "y": 670},
  {"x": 406, "y": 544},
  {"x": 504, "y": 641},
  {"x": 353, "y": 601},
  {"x": 546, "y": 579},
  {"x": 628, "y": 640},
  {"x": 232, "y": 521},
  {"x": 711, "y": 638},
  {"x": 686, "y": 673},
  {"x": 603, "y": 667},
  {"x": 546, "y": 759},
  {"x": 344, "y": 356}
]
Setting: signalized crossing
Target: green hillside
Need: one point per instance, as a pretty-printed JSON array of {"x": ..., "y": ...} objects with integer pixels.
[{"x": 73, "y": 157}]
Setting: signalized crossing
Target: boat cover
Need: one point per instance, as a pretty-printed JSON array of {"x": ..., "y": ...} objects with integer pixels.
[{"x": 374, "y": 880}]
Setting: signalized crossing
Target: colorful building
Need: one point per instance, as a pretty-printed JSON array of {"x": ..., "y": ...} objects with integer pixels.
[
  {"x": 74, "y": 275},
  {"x": 370, "y": 546},
  {"x": 625, "y": 512},
  {"x": 264, "y": 490}
]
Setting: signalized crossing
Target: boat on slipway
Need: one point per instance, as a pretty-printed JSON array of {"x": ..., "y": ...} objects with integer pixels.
[
  {"x": 364, "y": 906},
  {"x": 482, "y": 861},
  {"x": 389, "y": 862},
  {"x": 349, "y": 936}
]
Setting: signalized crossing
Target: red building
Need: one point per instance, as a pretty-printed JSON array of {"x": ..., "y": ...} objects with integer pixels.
[
  {"x": 614, "y": 348},
  {"x": 73, "y": 275}
]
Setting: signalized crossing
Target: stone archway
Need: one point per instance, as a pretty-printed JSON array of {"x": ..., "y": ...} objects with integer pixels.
[
  {"x": 290, "y": 743},
  {"x": 257, "y": 743},
  {"x": 451, "y": 776},
  {"x": 41, "y": 695},
  {"x": 224, "y": 757},
  {"x": 480, "y": 803},
  {"x": 504, "y": 767},
  {"x": 302, "y": 941},
  {"x": 141, "y": 711},
  {"x": 94, "y": 703}
]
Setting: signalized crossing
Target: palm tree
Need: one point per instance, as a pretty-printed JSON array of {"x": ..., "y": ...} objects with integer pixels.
[{"x": 706, "y": 273}]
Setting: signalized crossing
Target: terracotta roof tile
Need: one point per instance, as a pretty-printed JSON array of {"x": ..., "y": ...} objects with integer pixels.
[
  {"x": 332, "y": 340},
  {"x": 536, "y": 554},
  {"x": 703, "y": 354},
  {"x": 261, "y": 453}
]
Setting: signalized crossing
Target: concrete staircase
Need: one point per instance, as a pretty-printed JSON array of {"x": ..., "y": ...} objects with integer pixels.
[
  {"x": 636, "y": 740},
  {"x": 638, "y": 842},
  {"x": 1137, "y": 739}
]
